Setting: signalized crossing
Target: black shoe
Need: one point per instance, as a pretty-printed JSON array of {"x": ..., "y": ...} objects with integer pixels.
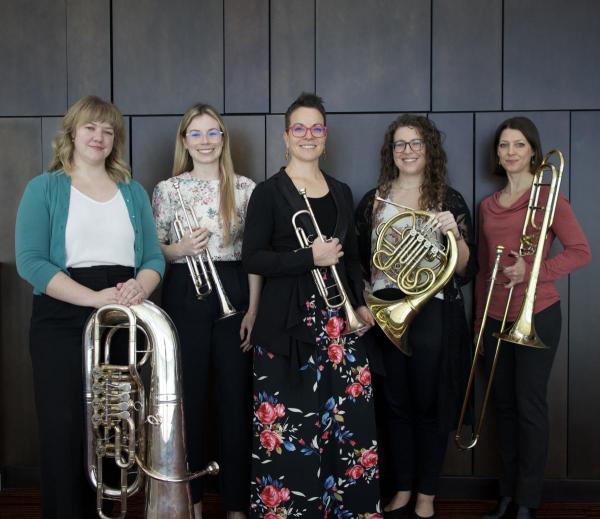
[
  {"x": 505, "y": 509},
  {"x": 396, "y": 513},
  {"x": 525, "y": 513}
]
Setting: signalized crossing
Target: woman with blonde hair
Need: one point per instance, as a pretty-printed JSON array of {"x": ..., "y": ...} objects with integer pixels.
[
  {"x": 76, "y": 265},
  {"x": 204, "y": 177}
]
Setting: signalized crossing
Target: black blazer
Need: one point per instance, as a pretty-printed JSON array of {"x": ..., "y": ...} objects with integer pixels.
[{"x": 271, "y": 249}]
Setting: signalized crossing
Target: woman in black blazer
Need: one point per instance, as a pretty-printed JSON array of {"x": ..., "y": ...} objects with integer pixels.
[{"x": 314, "y": 446}]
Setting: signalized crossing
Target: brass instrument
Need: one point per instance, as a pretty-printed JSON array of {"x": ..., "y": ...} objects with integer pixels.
[
  {"x": 201, "y": 277},
  {"x": 143, "y": 435},
  {"x": 409, "y": 254},
  {"x": 522, "y": 332},
  {"x": 334, "y": 295}
]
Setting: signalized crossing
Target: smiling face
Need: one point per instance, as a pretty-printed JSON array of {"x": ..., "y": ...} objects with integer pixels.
[
  {"x": 204, "y": 139},
  {"x": 514, "y": 152},
  {"x": 307, "y": 148},
  {"x": 93, "y": 143},
  {"x": 409, "y": 162}
]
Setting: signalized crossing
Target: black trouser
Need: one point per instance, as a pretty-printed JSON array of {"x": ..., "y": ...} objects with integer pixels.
[
  {"x": 210, "y": 349},
  {"x": 416, "y": 443},
  {"x": 520, "y": 388},
  {"x": 55, "y": 343}
]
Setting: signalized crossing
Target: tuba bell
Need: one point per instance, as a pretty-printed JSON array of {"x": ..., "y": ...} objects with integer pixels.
[
  {"x": 522, "y": 332},
  {"x": 142, "y": 434},
  {"x": 409, "y": 253}
]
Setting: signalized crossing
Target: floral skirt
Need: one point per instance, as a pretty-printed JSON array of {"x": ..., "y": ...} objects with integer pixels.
[{"x": 314, "y": 451}]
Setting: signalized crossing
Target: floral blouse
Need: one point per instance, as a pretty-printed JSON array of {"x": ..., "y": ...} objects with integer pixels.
[{"x": 203, "y": 197}]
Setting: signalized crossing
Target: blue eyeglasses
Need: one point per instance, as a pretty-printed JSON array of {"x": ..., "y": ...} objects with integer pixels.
[{"x": 213, "y": 135}]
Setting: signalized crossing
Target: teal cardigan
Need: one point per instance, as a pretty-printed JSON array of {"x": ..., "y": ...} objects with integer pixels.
[{"x": 42, "y": 219}]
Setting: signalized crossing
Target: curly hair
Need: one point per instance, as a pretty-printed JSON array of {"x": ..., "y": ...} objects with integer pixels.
[
  {"x": 91, "y": 109},
  {"x": 182, "y": 162},
  {"x": 531, "y": 134},
  {"x": 435, "y": 183}
]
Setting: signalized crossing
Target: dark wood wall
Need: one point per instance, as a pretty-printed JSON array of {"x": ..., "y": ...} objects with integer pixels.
[{"x": 468, "y": 64}]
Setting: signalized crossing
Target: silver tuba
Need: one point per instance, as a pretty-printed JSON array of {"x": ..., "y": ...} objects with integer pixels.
[{"x": 142, "y": 434}]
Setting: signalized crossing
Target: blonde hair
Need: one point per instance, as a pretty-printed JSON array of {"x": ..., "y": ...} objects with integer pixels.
[
  {"x": 182, "y": 162},
  {"x": 91, "y": 109}
]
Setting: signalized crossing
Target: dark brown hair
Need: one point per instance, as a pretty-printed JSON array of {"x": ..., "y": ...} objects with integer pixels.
[
  {"x": 306, "y": 100},
  {"x": 529, "y": 131},
  {"x": 433, "y": 189}
]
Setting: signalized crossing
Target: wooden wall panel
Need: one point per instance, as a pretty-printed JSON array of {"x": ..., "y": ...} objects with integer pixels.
[
  {"x": 167, "y": 59},
  {"x": 551, "y": 55},
  {"x": 374, "y": 56},
  {"x": 247, "y": 135},
  {"x": 462, "y": 78},
  {"x": 246, "y": 56},
  {"x": 21, "y": 160},
  {"x": 584, "y": 329},
  {"x": 33, "y": 58},
  {"x": 275, "y": 146},
  {"x": 88, "y": 49},
  {"x": 292, "y": 51}
]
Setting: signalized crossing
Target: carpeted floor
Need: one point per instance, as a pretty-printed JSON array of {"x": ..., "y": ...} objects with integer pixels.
[{"x": 25, "y": 504}]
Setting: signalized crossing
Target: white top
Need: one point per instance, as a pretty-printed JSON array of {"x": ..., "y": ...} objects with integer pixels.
[
  {"x": 98, "y": 233},
  {"x": 203, "y": 197},
  {"x": 385, "y": 212}
]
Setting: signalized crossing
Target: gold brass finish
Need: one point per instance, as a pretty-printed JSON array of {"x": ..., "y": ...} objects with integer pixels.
[
  {"x": 522, "y": 332},
  {"x": 409, "y": 254}
]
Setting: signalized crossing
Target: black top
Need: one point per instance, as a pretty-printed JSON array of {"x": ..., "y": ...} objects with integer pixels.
[
  {"x": 456, "y": 350},
  {"x": 271, "y": 249},
  {"x": 325, "y": 212}
]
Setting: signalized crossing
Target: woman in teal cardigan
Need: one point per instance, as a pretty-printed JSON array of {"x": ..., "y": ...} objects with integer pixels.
[{"x": 85, "y": 237}]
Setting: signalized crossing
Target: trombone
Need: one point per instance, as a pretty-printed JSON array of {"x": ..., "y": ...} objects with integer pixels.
[
  {"x": 522, "y": 332},
  {"x": 334, "y": 295},
  {"x": 201, "y": 276}
]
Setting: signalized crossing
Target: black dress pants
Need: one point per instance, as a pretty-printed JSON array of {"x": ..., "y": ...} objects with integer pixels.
[
  {"x": 519, "y": 392},
  {"x": 56, "y": 349},
  {"x": 416, "y": 445},
  {"x": 210, "y": 349}
]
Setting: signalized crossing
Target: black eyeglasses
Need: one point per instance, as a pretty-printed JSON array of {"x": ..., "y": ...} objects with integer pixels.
[
  {"x": 298, "y": 130},
  {"x": 415, "y": 145}
]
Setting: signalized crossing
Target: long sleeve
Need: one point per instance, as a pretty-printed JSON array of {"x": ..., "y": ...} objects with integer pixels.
[
  {"x": 258, "y": 254},
  {"x": 576, "y": 249},
  {"x": 32, "y": 236},
  {"x": 462, "y": 215},
  {"x": 351, "y": 255},
  {"x": 363, "y": 222},
  {"x": 152, "y": 256}
]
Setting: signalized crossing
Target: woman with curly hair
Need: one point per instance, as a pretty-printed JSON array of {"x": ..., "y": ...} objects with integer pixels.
[{"x": 420, "y": 395}]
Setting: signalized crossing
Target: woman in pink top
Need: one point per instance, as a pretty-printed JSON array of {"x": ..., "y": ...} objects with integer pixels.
[{"x": 522, "y": 373}]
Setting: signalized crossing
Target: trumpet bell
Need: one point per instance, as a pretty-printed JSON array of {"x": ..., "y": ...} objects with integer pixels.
[{"x": 522, "y": 333}]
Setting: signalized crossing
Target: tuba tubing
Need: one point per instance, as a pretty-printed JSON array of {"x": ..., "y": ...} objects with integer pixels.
[{"x": 154, "y": 433}]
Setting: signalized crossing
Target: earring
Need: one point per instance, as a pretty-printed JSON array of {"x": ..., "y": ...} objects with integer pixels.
[
  {"x": 287, "y": 154},
  {"x": 324, "y": 152}
]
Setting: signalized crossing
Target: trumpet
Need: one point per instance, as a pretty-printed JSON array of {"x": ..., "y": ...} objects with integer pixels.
[
  {"x": 201, "y": 276},
  {"x": 334, "y": 295},
  {"x": 522, "y": 332},
  {"x": 410, "y": 255}
]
